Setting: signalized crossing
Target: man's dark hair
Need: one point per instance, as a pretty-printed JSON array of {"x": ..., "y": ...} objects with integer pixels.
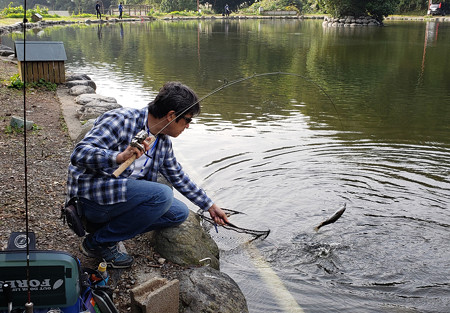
[{"x": 174, "y": 96}]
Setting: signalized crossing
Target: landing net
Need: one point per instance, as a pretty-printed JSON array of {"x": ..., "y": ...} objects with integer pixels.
[{"x": 230, "y": 240}]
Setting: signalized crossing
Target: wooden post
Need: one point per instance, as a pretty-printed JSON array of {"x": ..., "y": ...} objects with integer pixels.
[
  {"x": 62, "y": 71},
  {"x": 45, "y": 66},
  {"x": 35, "y": 76},
  {"x": 29, "y": 68},
  {"x": 20, "y": 70},
  {"x": 41, "y": 70},
  {"x": 51, "y": 72}
]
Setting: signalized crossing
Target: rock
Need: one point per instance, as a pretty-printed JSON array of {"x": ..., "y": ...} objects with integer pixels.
[
  {"x": 86, "y": 98},
  {"x": 89, "y": 83},
  {"x": 101, "y": 105},
  {"x": 6, "y": 53},
  {"x": 90, "y": 113},
  {"x": 85, "y": 129},
  {"x": 3, "y": 47},
  {"x": 79, "y": 90},
  {"x": 18, "y": 122},
  {"x": 205, "y": 289},
  {"x": 96, "y": 108},
  {"x": 187, "y": 243},
  {"x": 77, "y": 77},
  {"x": 350, "y": 21}
]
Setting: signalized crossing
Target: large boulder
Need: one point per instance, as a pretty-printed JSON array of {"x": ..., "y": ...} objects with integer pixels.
[
  {"x": 85, "y": 129},
  {"x": 77, "y": 77},
  {"x": 187, "y": 243},
  {"x": 4, "y": 47},
  {"x": 207, "y": 290},
  {"x": 6, "y": 52},
  {"x": 89, "y": 97},
  {"x": 82, "y": 82},
  {"x": 96, "y": 108},
  {"x": 79, "y": 90}
]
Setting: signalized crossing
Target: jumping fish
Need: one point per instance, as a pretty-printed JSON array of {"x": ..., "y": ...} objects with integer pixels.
[{"x": 333, "y": 218}]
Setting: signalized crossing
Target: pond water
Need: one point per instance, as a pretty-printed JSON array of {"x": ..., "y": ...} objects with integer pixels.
[{"x": 364, "y": 121}]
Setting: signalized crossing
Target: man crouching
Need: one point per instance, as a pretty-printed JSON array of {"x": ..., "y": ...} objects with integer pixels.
[{"x": 134, "y": 203}]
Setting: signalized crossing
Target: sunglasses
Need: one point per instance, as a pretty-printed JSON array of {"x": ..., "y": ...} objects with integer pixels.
[{"x": 187, "y": 119}]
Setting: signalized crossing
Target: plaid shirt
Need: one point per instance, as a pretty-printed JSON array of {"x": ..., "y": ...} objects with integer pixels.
[{"x": 94, "y": 160}]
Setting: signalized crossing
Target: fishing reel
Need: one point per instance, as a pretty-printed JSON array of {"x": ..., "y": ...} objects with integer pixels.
[{"x": 138, "y": 139}]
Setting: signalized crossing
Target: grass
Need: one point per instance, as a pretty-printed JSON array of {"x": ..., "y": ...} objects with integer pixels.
[{"x": 11, "y": 21}]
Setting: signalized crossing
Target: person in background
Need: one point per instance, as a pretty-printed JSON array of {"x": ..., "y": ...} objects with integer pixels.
[
  {"x": 134, "y": 202},
  {"x": 227, "y": 10},
  {"x": 120, "y": 10},
  {"x": 97, "y": 9}
]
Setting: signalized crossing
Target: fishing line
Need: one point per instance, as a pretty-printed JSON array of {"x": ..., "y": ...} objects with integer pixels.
[
  {"x": 240, "y": 80},
  {"x": 237, "y": 81}
]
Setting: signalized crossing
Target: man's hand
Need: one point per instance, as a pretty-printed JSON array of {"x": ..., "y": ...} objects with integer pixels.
[
  {"x": 218, "y": 215},
  {"x": 130, "y": 151}
]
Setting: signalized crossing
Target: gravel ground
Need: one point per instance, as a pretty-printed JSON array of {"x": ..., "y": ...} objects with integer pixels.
[{"x": 48, "y": 148}]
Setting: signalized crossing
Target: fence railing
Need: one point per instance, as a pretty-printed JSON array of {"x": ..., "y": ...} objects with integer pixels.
[
  {"x": 131, "y": 10},
  {"x": 277, "y": 12}
]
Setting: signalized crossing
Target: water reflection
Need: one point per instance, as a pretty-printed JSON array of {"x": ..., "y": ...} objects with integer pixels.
[
  {"x": 431, "y": 34},
  {"x": 99, "y": 32}
]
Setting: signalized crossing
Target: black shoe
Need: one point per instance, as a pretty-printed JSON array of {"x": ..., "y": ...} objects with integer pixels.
[{"x": 110, "y": 254}]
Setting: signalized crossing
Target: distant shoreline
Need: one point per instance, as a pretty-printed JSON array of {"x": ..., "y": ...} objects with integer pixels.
[{"x": 16, "y": 24}]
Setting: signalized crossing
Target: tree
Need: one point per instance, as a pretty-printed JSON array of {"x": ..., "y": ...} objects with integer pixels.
[
  {"x": 381, "y": 8},
  {"x": 412, "y": 6},
  {"x": 219, "y": 5},
  {"x": 376, "y": 8},
  {"x": 178, "y": 5}
]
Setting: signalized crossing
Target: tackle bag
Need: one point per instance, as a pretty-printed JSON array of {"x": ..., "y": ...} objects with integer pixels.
[{"x": 72, "y": 214}]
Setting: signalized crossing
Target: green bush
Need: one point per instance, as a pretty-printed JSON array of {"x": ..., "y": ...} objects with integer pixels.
[
  {"x": 44, "y": 84},
  {"x": 273, "y": 5},
  {"x": 16, "y": 83},
  {"x": 17, "y": 12},
  {"x": 184, "y": 13},
  {"x": 83, "y": 15}
]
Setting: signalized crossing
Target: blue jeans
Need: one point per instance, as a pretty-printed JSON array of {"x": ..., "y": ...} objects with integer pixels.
[{"x": 149, "y": 206}]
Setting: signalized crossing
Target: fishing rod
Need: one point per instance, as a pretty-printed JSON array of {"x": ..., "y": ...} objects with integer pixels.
[
  {"x": 28, "y": 305},
  {"x": 142, "y": 135}
]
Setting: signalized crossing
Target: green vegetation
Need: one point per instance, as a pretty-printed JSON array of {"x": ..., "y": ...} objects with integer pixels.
[
  {"x": 85, "y": 8},
  {"x": 16, "y": 83},
  {"x": 273, "y": 5},
  {"x": 376, "y": 8},
  {"x": 63, "y": 124},
  {"x": 17, "y": 12},
  {"x": 19, "y": 130}
]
